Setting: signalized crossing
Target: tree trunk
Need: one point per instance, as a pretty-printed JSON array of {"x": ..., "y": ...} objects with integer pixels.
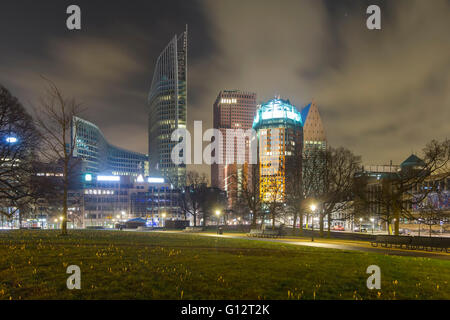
[
  {"x": 294, "y": 225},
  {"x": 253, "y": 219},
  {"x": 301, "y": 222},
  {"x": 321, "y": 225},
  {"x": 329, "y": 226},
  {"x": 66, "y": 187},
  {"x": 273, "y": 221},
  {"x": 397, "y": 221}
]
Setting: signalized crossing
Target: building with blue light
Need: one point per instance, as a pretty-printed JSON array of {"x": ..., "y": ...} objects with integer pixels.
[
  {"x": 97, "y": 155},
  {"x": 167, "y": 102},
  {"x": 279, "y": 130}
]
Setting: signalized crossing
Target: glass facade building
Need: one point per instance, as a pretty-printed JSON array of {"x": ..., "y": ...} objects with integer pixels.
[
  {"x": 98, "y": 156},
  {"x": 168, "y": 109}
]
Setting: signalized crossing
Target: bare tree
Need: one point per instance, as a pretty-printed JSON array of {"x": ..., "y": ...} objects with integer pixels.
[
  {"x": 19, "y": 141},
  {"x": 305, "y": 183},
  {"x": 273, "y": 198},
  {"x": 56, "y": 118},
  {"x": 190, "y": 198},
  {"x": 337, "y": 181},
  {"x": 399, "y": 194},
  {"x": 249, "y": 196}
]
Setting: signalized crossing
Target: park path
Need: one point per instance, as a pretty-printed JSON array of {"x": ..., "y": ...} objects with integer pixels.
[{"x": 333, "y": 244}]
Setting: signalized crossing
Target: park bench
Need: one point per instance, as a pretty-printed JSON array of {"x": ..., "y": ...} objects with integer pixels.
[
  {"x": 413, "y": 243},
  {"x": 193, "y": 229},
  {"x": 267, "y": 233}
]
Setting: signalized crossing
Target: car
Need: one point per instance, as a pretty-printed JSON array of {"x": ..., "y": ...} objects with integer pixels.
[{"x": 338, "y": 228}]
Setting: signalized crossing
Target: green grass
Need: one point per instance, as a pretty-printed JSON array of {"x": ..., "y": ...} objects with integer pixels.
[{"x": 133, "y": 265}]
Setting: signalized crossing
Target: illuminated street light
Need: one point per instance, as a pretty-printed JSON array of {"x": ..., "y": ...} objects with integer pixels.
[
  {"x": 373, "y": 223},
  {"x": 313, "y": 208},
  {"x": 11, "y": 139},
  {"x": 218, "y": 216},
  {"x": 163, "y": 215}
]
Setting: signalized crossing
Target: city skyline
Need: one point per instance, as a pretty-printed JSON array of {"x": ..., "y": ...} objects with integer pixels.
[{"x": 120, "y": 57}]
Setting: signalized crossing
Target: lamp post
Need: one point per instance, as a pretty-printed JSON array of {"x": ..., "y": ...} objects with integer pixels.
[
  {"x": 164, "y": 219},
  {"x": 313, "y": 209},
  {"x": 218, "y": 216},
  {"x": 373, "y": 223},
  {"x": 360, "y": 225}
]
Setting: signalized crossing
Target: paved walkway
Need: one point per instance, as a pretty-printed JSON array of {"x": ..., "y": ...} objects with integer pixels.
[{"x": 351, "y": 245}]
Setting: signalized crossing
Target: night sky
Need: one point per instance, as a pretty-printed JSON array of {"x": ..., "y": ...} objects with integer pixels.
[{"x": 382, "y": 94}]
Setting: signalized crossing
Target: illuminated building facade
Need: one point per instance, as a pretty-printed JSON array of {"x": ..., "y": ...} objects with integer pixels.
[
  {"x": 168, "y": 109},
  {"x": 233, "y": 109},
  {"x": 98, "y": 156},
  {"x": 280, "y": 135},
  {"x": 106, "y": 200}
]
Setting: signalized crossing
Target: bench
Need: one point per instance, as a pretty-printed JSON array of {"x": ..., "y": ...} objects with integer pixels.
[
  {"x": 193, "y": 229},
  {"x": 412, "y": 243},
  {"x": 267, "y": 233}
]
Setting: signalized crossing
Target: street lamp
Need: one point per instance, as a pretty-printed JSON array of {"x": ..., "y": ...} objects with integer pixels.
[
  {"x": 164, "y": 219},
  {"x": 360, "y": 224},
  {"x": 218, "y": 216},
  {"x": 373, "y": 223},
  {"x": 313, "y": 208}
]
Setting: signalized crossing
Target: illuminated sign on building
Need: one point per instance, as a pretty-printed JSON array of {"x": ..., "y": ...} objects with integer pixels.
[{"x": 155, "y": 180}]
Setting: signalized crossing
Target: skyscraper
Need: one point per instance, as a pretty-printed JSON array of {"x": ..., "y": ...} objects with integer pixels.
[
  {"x": 280, "y": 133},
  {"x": 314, "y": 136},
  {"x": 168, "y": 109},
  {"x": 233, "y": 109}
]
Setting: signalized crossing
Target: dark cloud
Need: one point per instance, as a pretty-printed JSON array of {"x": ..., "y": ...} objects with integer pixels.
[{"x": 381, "y": 93}]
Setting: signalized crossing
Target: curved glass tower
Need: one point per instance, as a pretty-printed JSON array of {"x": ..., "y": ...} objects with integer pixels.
[
  {"x": 99, "y": 156},
  {"x": 167, "y": 109}
]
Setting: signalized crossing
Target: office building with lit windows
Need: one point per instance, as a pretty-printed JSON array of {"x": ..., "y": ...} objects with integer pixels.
[
  {"x": 279, "y": 130},
  {"x": 107, "y": 200},
  {"x": 98, "y": 156},
  {"x": 233, "y": 109},
  {"x": 167, "y": 110}
]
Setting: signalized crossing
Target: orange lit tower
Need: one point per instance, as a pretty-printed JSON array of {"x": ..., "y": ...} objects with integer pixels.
[{"x": 279, "y": 129}]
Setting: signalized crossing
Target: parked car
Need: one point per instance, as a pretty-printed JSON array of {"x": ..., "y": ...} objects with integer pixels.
[
  {"x": 338, "y": 228},
  {"x": 364, "y": 228}
]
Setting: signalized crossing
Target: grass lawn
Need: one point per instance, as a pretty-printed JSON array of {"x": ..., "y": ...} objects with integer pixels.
[{"x": 133, "y": 265}]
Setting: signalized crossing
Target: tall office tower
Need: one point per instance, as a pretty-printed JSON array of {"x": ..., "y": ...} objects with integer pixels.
[
  {"x": 167, "y": 109},
  {"x": 233, "y": 109},
  {"x": 279, "y": 129},
  {"x": 314, "y": 137}
]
